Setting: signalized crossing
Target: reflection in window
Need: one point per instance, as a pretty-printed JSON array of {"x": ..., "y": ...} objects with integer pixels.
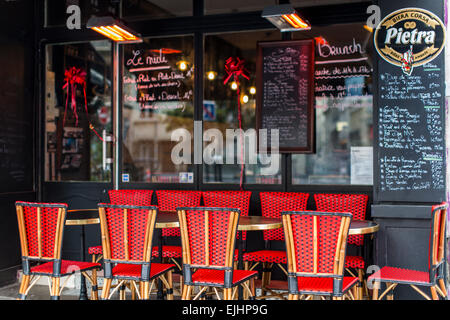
[
  {"x": 73, "y": 127},
  {"x": 234, "y": 6},
  {"x": 343, "y": 103},
  {"x": 156, "y": 9},
  {"x": 220, "y": 110},
  {"x": 158, "y": 84}
]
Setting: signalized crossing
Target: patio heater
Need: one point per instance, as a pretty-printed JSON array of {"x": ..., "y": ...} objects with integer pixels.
[
  {"x": 285, "y": 18},
  {"x": 119, "y": 33}
]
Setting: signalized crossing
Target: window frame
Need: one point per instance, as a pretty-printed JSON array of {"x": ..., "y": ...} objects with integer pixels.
[{"x": 199, "y": 25}]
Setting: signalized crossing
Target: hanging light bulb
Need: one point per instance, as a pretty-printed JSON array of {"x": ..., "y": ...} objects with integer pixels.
[
  {"x": 182, "y": 65},
  {"x": 234, "y": 85},
  {"x": 252, "y": 90},
  {"x": 245, "y": 98},
  {"x": 211, "y": 75}
]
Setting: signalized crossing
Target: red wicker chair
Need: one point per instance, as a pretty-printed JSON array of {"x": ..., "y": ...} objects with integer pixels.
[
  {"x": 41, "y": 227},
  {"x": 316, "y": 244},
  {"x": 272, "y": 204},
  {"x": 125, "y": 197},
  {"x": 230, "y": 199},
  {"x": 127, "y": 233},
  {"x": 208, "y": 236},
  {"x": 355, "y": 204},
  {"x": 433, "y": 278},
  {"x": 170, "y": 200}
]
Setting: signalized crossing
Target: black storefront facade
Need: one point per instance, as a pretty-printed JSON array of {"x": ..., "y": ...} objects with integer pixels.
[{"x": 62, "y": 160}]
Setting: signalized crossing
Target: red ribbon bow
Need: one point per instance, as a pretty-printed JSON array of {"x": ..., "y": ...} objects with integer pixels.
[
  {"x": 72, "y": 78},
  {"x": 234, "y": 67}
]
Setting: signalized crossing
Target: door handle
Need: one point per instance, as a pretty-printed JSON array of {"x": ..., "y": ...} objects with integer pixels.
[{"x": 105, "y": 160}]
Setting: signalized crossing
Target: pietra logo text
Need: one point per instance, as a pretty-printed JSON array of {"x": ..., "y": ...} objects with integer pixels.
[{"x": 409, "y": 38}]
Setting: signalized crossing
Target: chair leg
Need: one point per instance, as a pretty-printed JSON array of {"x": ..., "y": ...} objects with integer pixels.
[
  {"x": 145, "y": 287},
  {"x": 266, "y": 273},
  {"x": 122, "y": 292},
  {"x": 94, "y": 292},
  {"x": 187, "y": 292},
  {"x": 170, "y": 286},
  {"x": 23, "y": 287},
  {"x": 356, "y": 292},
  {"x": 361, "y": 284},
  {"x": 442, "y": 286},
  {"x": 252, "y": 288},
  {"x": 55, "y": 288},
  {"x": 434, "y": 293},
  {"x": 106, "y": 288},
  {"x": 390, "y": 295},
  {"x": 133, "y": 292},
  {"x": 376, "y": 288},
  {"x": 227, "y": 293}
]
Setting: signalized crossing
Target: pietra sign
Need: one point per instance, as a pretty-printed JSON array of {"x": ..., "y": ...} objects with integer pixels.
[{"x": 409, "y": 38}]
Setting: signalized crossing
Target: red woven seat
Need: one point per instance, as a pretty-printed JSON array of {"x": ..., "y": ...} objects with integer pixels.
[
  {"x": 127, "y": 233},
  {"x": 316, "y": 243},
  {"x": 393, "y": 274},
  {"x": 176, "y": 252},
  {"x": 272, "y": 256},
  {"x": 209, "y": 239},
  {"x": 229, "y": 199},
  {"x": 170, "y": 200},
  {"x": 125, "y": 197},
  {"x": 126, "y": 270},
  {"x": 355, "y": 204},
  {"x": 433, "y": 277},
  {"x": 323, "y": 286},
  {"x": 168, "y": 252},
  {"x": 356, "y": 262},
  {"x": 131, "y": 197},
  {"x": 95, "y": 250},
  {"x": 216, "y": 277},
  {"x": 41, "y": 228},
  {"x": 67, "y": 267},
  {"x": 272, "y": 204}
]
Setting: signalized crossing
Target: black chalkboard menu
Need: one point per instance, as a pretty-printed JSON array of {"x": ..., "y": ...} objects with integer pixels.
[
  {"x": 410, "y": 138},
  {"x": 285, "y": 80}
]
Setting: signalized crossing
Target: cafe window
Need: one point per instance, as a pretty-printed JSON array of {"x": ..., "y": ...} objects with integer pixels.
[
  {"x": 77, "y": 110},
  {"x": 220, "y": 108},
  {"x": 158, "y": 110},
  {"x": 343, "y": 105},
  {"x": 235, "y": 6},
  {"x": 156, "y": 9}
]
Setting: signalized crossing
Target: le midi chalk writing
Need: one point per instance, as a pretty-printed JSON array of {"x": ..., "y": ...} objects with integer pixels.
[{"x": 154, "y": 82}]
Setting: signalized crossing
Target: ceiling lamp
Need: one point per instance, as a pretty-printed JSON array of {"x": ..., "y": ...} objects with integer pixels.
[
  {"x": 113, "y": 29},
  {"x": 285, "y": 18}
]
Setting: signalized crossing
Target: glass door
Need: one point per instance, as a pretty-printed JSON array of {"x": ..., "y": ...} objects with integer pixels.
[{"x": 78, "y": 114}]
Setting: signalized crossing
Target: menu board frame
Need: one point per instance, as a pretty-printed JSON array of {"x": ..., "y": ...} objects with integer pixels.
[{"x": 310, "y": 131}]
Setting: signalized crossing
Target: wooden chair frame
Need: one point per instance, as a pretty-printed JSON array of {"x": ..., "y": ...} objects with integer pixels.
[
  {"x": 339, "y": 258},
  {"x": 30, "y": 278},
  {"x": 436, "y": 262},
  {"x": 229, "y": 290},
  {"x": 362, "y": 286},
  {"x": 139, "y": 286}
]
